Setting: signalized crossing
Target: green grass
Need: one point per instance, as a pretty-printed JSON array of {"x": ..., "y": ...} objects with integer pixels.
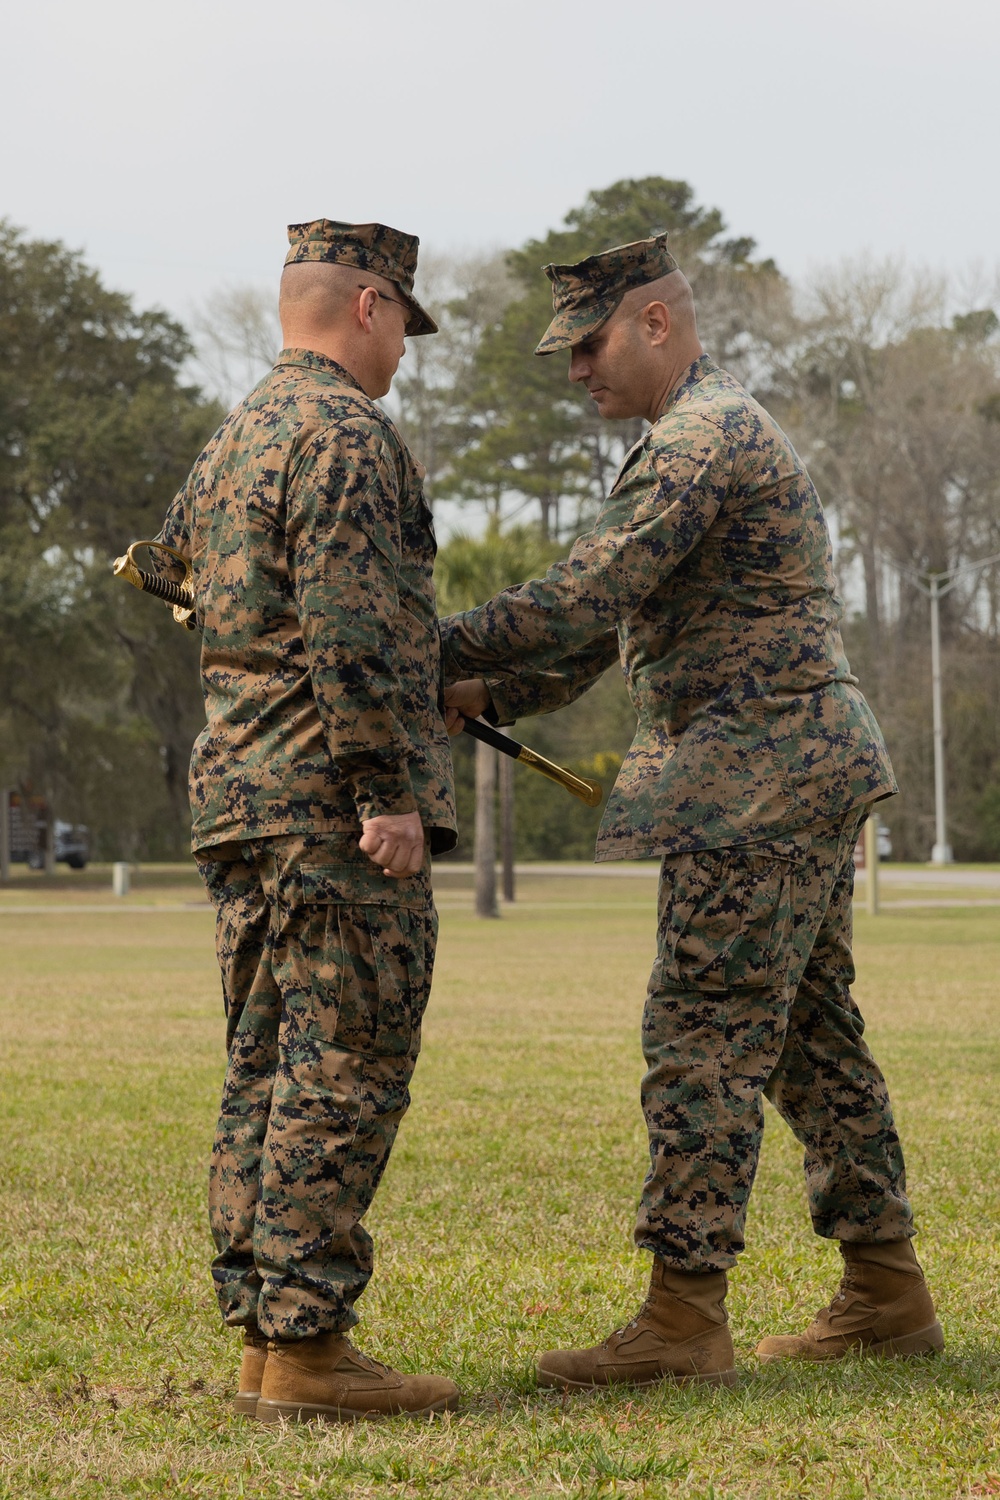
[{"x": 502, "y": 1227}]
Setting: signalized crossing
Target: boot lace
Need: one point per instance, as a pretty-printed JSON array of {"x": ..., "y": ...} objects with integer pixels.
[
  {"x": 845, "y": 1298},
  {"x": 633, "y": 1322},
  {"x": 375, "y": 1365}
]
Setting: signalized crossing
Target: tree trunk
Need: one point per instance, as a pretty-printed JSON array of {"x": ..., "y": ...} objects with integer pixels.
[
  {"x": 873, "y": 610},
  {"x": 507, "y": 825},
  {"x": 486, "y": 843}
]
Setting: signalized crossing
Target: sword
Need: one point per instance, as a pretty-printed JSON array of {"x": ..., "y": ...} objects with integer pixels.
[
  {"x": 181, "y": 597},
  {"x": 588, "y": 791}
]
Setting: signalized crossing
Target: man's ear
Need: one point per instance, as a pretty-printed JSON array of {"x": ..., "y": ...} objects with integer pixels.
[
  {"x": 657, "y": 321},
  {"x": 366, "y": 307}
]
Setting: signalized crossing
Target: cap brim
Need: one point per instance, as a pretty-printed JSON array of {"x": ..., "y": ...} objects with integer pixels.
[
  {"x": 574, "y": 324},
  {"x": 419, "y": 321}
]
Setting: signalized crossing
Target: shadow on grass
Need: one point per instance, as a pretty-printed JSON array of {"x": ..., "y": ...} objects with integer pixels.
[{"x": 966, "y": 1369}]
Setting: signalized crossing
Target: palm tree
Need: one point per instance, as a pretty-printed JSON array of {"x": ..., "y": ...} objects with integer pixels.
[{"x": 469, "y": 571}]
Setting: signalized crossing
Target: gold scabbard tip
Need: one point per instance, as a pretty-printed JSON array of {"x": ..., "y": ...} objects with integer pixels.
[{"x": 590, "y": 792}]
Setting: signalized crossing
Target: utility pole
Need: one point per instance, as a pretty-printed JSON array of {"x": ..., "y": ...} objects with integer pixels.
[
  {"x": 935, "y": 586},
  {"x": 941, "y": 852}
]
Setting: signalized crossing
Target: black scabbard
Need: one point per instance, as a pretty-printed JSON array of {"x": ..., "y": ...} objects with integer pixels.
[{"x": 487, "y": 735}]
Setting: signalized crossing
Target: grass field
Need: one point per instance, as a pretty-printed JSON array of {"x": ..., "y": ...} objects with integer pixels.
[{"x": 502, "y": 1228}]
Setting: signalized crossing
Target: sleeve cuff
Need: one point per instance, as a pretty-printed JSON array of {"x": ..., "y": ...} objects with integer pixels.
[
  {"x": 386, "y": 795},
  {"x": 502, "y": 708}
]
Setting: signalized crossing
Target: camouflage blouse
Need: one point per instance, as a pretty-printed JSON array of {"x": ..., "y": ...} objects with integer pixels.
[
  {"x": 709, "y": 574},
  {"x": 312, "y": 552}
]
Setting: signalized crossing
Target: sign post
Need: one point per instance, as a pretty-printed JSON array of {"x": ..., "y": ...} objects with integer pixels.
[
  {"x": 5, "y": 835},
  {"x": 871, "y": 865}
]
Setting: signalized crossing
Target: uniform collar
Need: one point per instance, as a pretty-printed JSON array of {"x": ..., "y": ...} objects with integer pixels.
[
  {"x": 697, "y": 372},
  {"x": 310, "y": 359}
]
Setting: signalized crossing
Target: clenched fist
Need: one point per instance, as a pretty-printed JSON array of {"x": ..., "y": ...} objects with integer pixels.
[{"x": 395, "y": 842}]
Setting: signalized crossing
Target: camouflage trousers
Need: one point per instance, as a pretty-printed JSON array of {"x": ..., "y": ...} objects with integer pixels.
[
  {"x": 326, "y": 968},
  {"x": 750, "y": 998}
]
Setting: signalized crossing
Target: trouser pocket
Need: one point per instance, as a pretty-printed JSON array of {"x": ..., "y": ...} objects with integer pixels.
[
  {"x": 725, "y": 919},
  {"x": 369, "y": 954}
]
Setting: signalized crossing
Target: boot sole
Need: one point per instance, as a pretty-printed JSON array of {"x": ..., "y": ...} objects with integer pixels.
[
  {"x": 245, "y": 1403},
  {"x": 294, "y": 1411},
  {"x": 926, "y": 1341},
  {"x": 929, "y": 1340},
  {"x": 563, "y": 1383}
]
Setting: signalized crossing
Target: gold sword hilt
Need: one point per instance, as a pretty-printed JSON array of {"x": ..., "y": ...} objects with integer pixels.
[{"x": 180, "y": 596}]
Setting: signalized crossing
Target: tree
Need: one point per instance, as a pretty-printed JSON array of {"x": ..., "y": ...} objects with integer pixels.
[
  {"x": 466, "y": 295},
  {"x": 532, "y": 439},
  {"x": 468, "y": 572},
  {"x": 97, "y": 429},
  {"x": 896, "y": 406},
  {"x": 237, "y": 337}
]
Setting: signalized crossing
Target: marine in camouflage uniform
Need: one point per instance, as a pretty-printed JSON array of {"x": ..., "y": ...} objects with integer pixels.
[
  {"x": 312, "y": 553},
  {"x": 708, "y": 574}
]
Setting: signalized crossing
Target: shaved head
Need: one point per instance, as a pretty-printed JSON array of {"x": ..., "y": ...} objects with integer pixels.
[
  {"x": 354, "y": 317},
  {"x": 319, "y": 293},
  {"x": 674, "y": 291}
]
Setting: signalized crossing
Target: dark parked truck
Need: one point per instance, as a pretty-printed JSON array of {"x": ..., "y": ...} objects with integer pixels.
[{"x": 29, "y": 823}]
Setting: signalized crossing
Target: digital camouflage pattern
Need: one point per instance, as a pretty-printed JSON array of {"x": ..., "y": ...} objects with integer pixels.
[
  {"x": 585, "y": 295},
  {"x": 750, "y": 996},
  {"x": 709, "y": 573},
  {"x": 326, "y": 967},
  {"x": 374, "y": 248},
  {"x": 312, "y": 553}
]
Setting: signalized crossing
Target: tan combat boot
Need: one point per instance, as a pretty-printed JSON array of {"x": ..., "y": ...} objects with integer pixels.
[
  {"x": 251, "y": 1372},
  {"x": 679, "y": 1333},
  {"x": 327, "y": 1378},
  {"x": 883, "y": 1307}
]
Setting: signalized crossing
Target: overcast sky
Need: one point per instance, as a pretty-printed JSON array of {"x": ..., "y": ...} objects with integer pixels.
[{"x": 173, "y": 143}]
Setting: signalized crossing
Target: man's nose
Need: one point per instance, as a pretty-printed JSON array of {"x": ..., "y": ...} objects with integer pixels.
[{"x": 579, "y": 367}]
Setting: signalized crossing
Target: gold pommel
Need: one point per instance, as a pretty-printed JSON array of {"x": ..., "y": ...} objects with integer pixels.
[{"x": 179, "y": 596}]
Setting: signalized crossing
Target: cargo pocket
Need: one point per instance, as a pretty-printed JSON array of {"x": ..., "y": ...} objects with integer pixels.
[
  {"x": 725, "y": 920},
  {"x": 369, "y": 960}
]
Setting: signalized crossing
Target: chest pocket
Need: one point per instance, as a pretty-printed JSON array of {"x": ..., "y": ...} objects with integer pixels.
[
  {"x": 416, "y": 525},
  {"x": 371, "y": 943}
]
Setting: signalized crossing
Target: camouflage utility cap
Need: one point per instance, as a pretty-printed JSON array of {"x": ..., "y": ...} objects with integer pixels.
[
  {"x": 585, "y": 295},
  {"x": 371, "y": 247}
]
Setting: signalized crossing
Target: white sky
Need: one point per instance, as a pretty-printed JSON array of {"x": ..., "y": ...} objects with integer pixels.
[{"x": 172, "y": 143}]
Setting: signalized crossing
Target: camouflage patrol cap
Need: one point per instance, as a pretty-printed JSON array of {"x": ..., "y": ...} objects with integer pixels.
[
  {"x": 585, "y": 295},
  {"x": 371, "y": 247}
]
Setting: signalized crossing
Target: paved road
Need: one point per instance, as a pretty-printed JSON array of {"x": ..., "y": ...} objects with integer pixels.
[
  {"x": 895, "y": 882},
  {"x": 965, "y": 876},
  {"x": 937, "y": 875}
]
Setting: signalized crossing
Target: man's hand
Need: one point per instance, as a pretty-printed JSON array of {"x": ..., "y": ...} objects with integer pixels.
[
  {"x": 464, "y": 700},
  {"x": 395, "y": 842}
]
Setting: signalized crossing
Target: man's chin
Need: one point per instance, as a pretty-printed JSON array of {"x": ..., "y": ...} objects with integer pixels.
[{"x": 610, "y": 406}]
